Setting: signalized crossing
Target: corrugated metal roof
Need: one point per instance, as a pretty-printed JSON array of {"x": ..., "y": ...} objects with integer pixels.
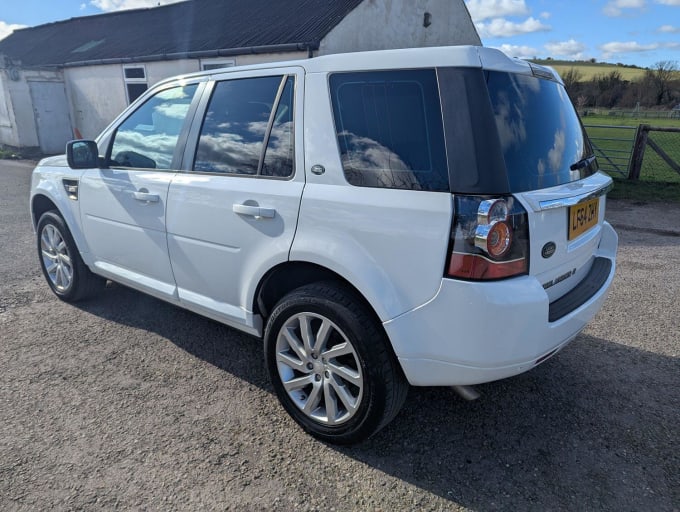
[{"x": 192, "y": 26}]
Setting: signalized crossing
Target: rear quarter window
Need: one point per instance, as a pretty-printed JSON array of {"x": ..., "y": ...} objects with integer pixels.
[{"x": 389, "y": 129}]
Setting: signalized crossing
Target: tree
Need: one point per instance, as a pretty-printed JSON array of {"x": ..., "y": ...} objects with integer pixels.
[
  {"x": 659, "y": 79},
  {"x": 610, "y": 89},
  {"x": 571, "y": 80}
]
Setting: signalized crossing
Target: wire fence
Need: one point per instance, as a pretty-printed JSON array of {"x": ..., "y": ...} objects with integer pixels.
[
  {"x": 662, "y": 155},
  {"x": 633, "y": 114}
]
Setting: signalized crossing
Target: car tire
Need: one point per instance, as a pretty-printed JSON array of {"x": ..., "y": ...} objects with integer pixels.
[
  {"x": 331, "y": 365},
  {"x": 66, "y": 274}
]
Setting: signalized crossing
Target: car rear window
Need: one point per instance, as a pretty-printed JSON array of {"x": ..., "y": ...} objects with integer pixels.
[
  {"x": 540, "y": 133},
  {"x": 389, "y": 129}
]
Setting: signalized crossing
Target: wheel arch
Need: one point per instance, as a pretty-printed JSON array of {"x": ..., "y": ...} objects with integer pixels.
[
  {"x": 287, "y": 276},
  {"x": 42, "y": 201},
  {"x": 39, "y": 205}
]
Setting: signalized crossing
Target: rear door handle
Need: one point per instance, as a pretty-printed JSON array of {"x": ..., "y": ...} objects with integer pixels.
[
  {"x": 254, "y": 211},
  {"x": 146, "y": 197}
]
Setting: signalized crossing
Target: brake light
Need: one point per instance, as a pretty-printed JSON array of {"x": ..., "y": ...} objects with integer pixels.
[{"x": 489, "y": 239}]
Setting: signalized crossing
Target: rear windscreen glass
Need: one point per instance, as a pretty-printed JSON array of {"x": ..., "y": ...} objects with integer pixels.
[{"x": 540, "y": 133}]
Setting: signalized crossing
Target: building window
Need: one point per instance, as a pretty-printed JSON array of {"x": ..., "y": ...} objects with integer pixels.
[
  {"x": 207, "y": 65},
  {"x": 135, "y": 81}
]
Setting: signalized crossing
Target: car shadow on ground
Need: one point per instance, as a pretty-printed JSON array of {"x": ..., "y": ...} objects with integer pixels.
[{"x": 592, "y": 428}]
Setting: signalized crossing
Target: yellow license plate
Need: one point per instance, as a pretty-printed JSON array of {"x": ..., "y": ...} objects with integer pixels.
[{"x": 582, "y": 217}]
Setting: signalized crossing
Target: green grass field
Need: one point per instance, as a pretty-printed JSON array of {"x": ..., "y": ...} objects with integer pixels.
[
  {"x": 590, "y": 70},
  {"x": 658, "y": 181}
]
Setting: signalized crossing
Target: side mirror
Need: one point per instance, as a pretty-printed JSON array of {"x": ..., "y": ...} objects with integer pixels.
[{"x": 82, "y": 154}]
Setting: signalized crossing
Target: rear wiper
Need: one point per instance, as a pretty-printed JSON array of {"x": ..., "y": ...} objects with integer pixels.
[{"x": 585, "y": 162}]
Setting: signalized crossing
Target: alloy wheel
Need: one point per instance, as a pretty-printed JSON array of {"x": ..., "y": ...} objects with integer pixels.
[
  {"x": 56, "y": 258},
  {"x": 319, "y": 368}
]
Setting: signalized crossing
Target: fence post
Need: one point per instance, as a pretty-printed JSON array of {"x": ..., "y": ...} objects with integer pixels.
[{"x": 638, "y": 152}]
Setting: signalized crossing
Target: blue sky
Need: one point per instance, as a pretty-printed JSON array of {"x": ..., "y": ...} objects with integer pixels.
[{"x": 640, "y": 32}]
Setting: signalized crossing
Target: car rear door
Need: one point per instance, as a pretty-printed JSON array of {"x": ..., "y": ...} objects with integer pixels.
[{"x": 233, "y": 212}]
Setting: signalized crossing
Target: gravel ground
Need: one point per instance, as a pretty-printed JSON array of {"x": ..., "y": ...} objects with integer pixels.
[{"x": 126, "y": 402}]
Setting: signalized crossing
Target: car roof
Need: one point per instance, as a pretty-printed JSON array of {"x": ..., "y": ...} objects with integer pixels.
[{"x": 406, "y": 58}]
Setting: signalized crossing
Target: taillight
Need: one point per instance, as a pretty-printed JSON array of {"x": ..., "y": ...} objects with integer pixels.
[{"x": 489, "y": 238}]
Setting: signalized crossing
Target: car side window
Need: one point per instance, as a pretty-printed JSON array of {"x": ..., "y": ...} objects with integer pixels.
[
  {"x": 148, "y": 137},
  {"x": 278, "y": 157},
  {"x": 247, "y": 128},
  {"x": 389, "y": 129}
]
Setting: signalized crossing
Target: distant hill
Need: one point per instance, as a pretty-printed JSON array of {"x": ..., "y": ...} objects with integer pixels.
[{"x": 590, "y": 69}]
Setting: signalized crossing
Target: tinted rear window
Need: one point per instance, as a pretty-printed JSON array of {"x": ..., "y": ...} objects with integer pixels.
[
  {"x": 540, "y": 133},
  {"x": 389, "y": 129}
]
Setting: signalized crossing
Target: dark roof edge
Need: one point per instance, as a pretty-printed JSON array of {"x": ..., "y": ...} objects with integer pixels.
[{"x": 224, "y": 52}]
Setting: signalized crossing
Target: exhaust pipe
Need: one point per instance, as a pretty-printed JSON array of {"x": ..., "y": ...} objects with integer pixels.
[{"x": 466, "y": 392}]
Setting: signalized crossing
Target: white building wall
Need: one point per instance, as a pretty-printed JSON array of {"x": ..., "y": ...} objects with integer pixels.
[
  {"x": 8, "y": 129},
  {"x": 97, "y": 96},
  {"x": 157, "y": 71},
  {"x": 381, "y": 25}
]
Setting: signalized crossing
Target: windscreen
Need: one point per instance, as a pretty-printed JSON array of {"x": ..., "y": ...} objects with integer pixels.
[{"x": 541, "y": 137}]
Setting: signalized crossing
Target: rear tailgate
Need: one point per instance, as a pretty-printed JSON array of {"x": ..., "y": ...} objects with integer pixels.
[{"x": 565, "y": 228}]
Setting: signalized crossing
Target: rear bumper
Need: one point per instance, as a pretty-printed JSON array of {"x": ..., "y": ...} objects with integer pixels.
[{"x": 471, "y": 333}]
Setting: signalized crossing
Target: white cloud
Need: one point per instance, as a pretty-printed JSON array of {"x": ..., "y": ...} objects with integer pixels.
[
  {"x": 668, "y": 29},
  {"x": 668, "y": 2},
  {"x": 572, "y": 49},
  {"x": 500, "y": 27},
  {"x": 615, "y": 8},
  {"x": 618, "y": 48},
  {"x": 522, "y": 52},
  {"x": 481, "y": 10},
  {"x": 119, "y": 5},
  {"x": 545, "y": 15},
  {"x": 6, "y": 29},
  {"x": 556, "y": 154}
]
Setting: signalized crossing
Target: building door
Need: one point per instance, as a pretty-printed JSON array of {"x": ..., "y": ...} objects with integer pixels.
[{"x": 52, "y": 118}]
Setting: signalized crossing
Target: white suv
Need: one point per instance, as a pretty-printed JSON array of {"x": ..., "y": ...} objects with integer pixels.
[{"x": 432, "y": 217}]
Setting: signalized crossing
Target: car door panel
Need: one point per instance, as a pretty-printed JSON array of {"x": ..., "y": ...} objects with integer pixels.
[
  {"x": 227, "y": 225},
  {"x": 123, "y": 206},
  {"x": 126, "y": 234},
  {"x": 217, "y": 252}
]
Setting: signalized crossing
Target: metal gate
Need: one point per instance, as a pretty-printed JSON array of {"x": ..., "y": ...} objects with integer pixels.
[
  {"x": 613, "y": 146},
  {"x": 52, "y": 118}
]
